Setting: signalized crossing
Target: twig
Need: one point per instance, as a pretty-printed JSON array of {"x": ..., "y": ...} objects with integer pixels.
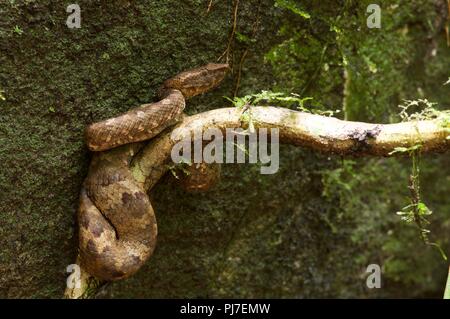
[
  {"x": 244, "y": 55},
  {"x": 209, "y": 6},
  {"x": 226, "y": 53},
  {"x": 238, "y": 79},
  {"x": 447, "y": 31}
]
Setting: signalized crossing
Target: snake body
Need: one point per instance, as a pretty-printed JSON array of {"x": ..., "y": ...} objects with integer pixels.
[{"x": 117, "y": 224}]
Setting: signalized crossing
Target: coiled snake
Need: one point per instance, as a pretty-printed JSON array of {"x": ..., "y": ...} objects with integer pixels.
[{"x": 117, "y": 225}]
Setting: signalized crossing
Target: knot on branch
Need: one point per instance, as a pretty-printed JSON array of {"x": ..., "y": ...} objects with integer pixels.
[{"x": 362, "y": 137}]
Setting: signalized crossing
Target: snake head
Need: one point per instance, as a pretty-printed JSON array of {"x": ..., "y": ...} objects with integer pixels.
[{"x": 196, "y": 81}]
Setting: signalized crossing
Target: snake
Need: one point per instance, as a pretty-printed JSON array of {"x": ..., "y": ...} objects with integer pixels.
[{"x": 117, "y": 223}]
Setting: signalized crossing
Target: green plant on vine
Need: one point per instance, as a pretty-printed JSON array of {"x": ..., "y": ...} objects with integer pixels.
[
  {"x": 417, "y": 211},
  {"x": 264, "y": 98}
]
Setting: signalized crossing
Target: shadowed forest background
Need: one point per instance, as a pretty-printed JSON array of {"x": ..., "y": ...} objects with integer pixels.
[{"x": 308, "y": 231}]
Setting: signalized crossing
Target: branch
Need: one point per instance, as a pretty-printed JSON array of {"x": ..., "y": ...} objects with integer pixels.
[{"x": 325, "y": 134}]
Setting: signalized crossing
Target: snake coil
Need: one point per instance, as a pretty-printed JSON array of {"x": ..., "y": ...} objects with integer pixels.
[{"x": 117, "y": 224}]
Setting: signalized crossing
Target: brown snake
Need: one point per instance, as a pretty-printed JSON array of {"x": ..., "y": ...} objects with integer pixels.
[{"x": 117, "y": 224}]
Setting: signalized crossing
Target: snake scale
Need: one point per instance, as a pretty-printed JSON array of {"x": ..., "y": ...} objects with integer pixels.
[{"x": 117, "y": 224}]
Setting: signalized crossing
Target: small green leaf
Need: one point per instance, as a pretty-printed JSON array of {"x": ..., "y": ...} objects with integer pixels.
[
  {"x": 423, "y": 209},
  {"x": 243, "y": 38},
  {"x": 398, "y": 150},
  {"x": 18, "y": 30},
  {"x": 292, "y": 6},
  {"x": 405, "y": 149}
]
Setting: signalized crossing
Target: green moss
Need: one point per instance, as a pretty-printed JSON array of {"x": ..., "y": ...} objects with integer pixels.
[{"x": 253, "y": 235}]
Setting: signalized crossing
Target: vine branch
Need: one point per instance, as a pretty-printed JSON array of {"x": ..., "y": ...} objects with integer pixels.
[{"x": 324, "y": 134}]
